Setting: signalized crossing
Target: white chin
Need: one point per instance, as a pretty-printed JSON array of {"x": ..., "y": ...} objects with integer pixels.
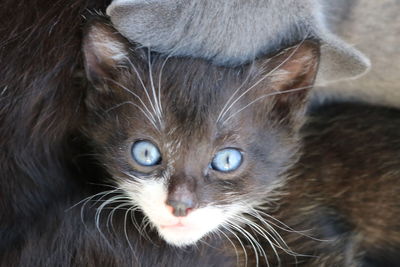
[
  {"x": 182, "y": 236},
  {"x": 150, "y": 196}
]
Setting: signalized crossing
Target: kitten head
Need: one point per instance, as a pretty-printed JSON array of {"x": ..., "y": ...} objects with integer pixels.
[{"x": 194, "y": 146}]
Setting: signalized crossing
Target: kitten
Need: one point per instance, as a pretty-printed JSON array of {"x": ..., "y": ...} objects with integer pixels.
[
  {"x": 169, "y": 144},
  {"x": 200, "y": 149}
]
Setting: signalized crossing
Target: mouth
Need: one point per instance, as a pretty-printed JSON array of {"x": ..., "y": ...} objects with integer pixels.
[
  {"x": 173, "y": 226},
  {"x": 179, "y": 226},
  {"x": 181, "y": 233},
  {"x": 185, "y": 231}
]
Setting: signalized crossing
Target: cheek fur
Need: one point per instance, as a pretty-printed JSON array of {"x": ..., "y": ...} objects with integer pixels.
[{"x": 149, "y": 195}]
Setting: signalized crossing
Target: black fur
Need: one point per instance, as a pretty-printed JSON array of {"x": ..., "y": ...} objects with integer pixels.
[{"x": 44, "y": 166}]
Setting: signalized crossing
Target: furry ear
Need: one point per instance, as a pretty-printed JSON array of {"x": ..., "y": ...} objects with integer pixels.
[
  {"x": 104, "y": 50},
  {"x": 295, "y": 68},
  {"x": 288, "y": 78},
  {"x": 292, "y": 74}
]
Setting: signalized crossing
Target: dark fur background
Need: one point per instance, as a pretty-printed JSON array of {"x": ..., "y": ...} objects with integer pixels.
[
  {"x": 40, "y": 108},
  {"x": 43, "y": 159}
]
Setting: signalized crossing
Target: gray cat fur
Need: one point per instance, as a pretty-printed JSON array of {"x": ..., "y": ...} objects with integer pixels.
[
  {"x": 374, "y": 26},
  {"x": 234, "y": 31}
]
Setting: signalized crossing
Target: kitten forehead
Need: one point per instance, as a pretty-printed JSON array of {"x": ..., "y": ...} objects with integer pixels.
[
  {"x": 189, "y": 93},
  {"x": 196, "y": 94},
  {"x": 195, "y": 98}
]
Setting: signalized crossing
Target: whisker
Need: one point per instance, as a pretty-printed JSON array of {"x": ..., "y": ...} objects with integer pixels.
[
  {"x": 264, "y": 77},
  {"x": 101, "y": 184},
  {"x": 97, "y": 218},
  {"x": 152, "y": 86},
  {"x": 280, "y": 242},
  {"x": 262, "y": 232},
  {"x": 127, "y": 238},
  {"x": 274, "y": 232},
  {"x": 288, "y": 228},
  {"x": 89, "y": 198},
  {"x": 226, "y": 227},
  {"x": 160, "y": 78},
  {"x": 135, "y": 95},
  {"x": 233, "y": 244},
  {"x": 222, "y": 112},
  {"x": 266, "y": 95},
  {"x": 111, "y": 214},
  {"x": 131, "y": 103},
  {"x": 85, "y": 201},
  {"x": 142, "y": 83},
  {"x": 142, "y": 227},
  {"x": 251, "y": 240}
]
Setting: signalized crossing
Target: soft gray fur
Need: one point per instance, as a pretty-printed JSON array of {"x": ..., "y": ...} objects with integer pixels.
[
  {"x": 374, "y": 26},
  {"x": 233, "y": 31}
]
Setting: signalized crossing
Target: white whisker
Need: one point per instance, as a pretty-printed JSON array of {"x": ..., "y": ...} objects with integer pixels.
[
  {"x": 226, "y": 227},
  {"x": 264, "y": 234},
  {"x": 288, "y": 228},
  {"x": 160, "y": 79},
  {"x": 251, "y": 240},
  {"x": 232, "y": 243},
  {"x": 156, "y": 103},
  {"x": 142, "y": 227},
  {"x": 135, "y": 95},
  {"x": 131, "y": 103},
  {"x": 127, "y": 238},
  {"x": 98, "y": 215},
  {"x": 222, "y": 112},
  {"x": 142, "y": 83},
  {"x": 109, "y": 220},
  {"x": 264, "y": 96},
  {"x": 90, "y": 197},
  {"x": 262, "y": 78},
  {"x": 280, "y": 242}
]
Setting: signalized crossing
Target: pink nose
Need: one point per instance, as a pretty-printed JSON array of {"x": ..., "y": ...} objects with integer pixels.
[{"x": 179, "y": 208}]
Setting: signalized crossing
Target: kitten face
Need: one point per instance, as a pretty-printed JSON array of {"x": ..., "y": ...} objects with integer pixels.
[{"x": 192, "y": 145}]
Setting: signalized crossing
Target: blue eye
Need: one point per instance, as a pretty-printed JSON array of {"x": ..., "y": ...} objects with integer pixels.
[
  {"x": 145, "y": 153},
  {"x": 226, "y": 160}
]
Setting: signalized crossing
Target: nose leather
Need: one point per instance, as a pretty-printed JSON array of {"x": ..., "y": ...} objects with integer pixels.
[
  {"x": 182, "y": 196},
  {"x": 179, "y": 208}
]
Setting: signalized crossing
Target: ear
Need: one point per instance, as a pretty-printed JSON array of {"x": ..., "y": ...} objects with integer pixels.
[
  {"x": 290, "y": 77},
  {"x": 104, "y": 50},
  {"x": 294, "y": 69}
]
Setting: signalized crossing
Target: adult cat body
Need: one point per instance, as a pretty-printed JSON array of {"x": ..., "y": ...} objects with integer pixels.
[
  {"x": 343, "y": 192},
  {"x": 201, "y": 149},
  {"x": 237, "y": 30}
]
